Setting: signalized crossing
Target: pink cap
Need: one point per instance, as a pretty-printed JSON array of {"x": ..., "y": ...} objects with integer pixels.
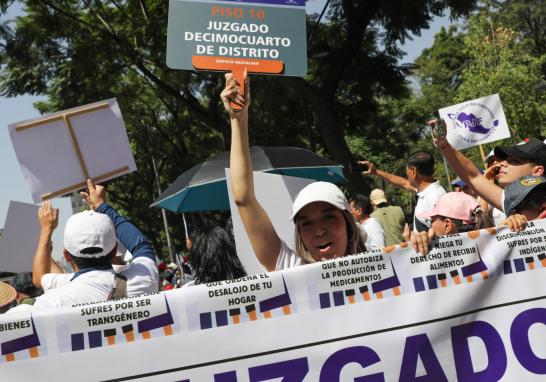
[{"x": 454, "y": 205}]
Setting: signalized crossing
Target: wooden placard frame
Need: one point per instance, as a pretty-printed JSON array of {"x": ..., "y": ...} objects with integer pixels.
[{"x": 65, "y": 117}]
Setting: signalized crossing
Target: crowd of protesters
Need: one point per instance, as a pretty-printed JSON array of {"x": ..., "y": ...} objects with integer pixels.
[
  {"x": 111, "y": 258},
  {"x": 513, "y": 185}
]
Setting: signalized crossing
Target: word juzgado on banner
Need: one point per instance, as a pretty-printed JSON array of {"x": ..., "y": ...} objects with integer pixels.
[{"x": 418, "y": 356}]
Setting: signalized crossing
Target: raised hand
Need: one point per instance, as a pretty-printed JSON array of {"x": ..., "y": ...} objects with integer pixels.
[
  {"x": 232, "y": 94},
  {"x": 492, "y": 172},
  {"x": 48, "y": 216},
  {"x": 95, "y": 195},
  {"x": 369, "y": 166},
  {"x": 439, "y": 132}
]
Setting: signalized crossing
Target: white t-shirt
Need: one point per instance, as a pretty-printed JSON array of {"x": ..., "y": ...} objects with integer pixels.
[
  {"x": 55, "y": 280},
  {"x": 503, "y": 199},
  {"x": 497, "y": 215},
  {"x": 375, "y": 233},
  {"x": 426, "y": 201},
  {"x": 142, "y": 277},
  {"x": 287, "y": 258},
  {"x": 363, "y": 232},
  {"x": 94, "y": 286}
]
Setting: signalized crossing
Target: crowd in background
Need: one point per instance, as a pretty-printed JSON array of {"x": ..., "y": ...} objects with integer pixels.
[{"x": 111, "y": 258}]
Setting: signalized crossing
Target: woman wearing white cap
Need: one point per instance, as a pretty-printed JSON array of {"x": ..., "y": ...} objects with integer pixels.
[{"x": 325, "y": 229}]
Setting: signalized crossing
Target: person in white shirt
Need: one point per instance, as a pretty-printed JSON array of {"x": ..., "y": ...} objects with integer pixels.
[
  {"x": 325, "y": 229},
  {"x": 361, "y": 208},
  {"x": 90, "y": 240},
  {"x": 420, "y": 180}
]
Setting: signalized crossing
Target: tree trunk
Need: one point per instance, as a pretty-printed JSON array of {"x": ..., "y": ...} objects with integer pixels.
[{"x": 330, "y": 131}]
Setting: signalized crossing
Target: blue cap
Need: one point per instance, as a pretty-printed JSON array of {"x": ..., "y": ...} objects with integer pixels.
[
  {"x": 518, "y": 190},
  {"x": 457, "y": 182}
]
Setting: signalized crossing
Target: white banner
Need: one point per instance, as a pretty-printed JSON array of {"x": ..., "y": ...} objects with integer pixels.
[
  {"x": 474, "y": 309},
  {"x": 475, "y": 122}
]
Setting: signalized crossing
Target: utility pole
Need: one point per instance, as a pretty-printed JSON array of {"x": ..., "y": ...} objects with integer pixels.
[{"x": 158, "y": 185}]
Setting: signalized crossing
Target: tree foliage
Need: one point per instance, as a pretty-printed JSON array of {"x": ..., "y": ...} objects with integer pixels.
[
  {"x": 500, "y": 63},
  {"x": 495, "y": 52},
  {"x": 528, "y": 19},
  {"x": 439, "y": 68}
]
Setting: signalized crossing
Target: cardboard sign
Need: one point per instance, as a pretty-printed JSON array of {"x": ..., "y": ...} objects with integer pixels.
[
  {"x": 475, "y": 122},
  {"x": 20, "y": 237},
  {"x": 59, "y": 152},
  {"x": 278, "y": 208},
  {"x": 261, "y": 36}
]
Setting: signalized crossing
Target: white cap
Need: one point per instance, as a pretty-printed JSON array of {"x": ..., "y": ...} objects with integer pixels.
[
  {"x": 89, "y": 229},
  {"x": 319, "y": 192}
]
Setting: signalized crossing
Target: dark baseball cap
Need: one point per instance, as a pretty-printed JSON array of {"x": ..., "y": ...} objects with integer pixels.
[
  {"x": 22, "y": 282},
  {"x": 517, "y": 191},
  {"x": 531, "y": 149}
]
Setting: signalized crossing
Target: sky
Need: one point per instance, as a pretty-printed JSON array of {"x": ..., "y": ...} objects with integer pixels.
[
  {"x": 13, "y": 185},
  {"x": 20, "y": 108}
]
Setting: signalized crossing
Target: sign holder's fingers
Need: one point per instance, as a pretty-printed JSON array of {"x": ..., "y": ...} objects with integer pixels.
[
  {"x": 239, "y": 75},
  {"x": 90, "y": 185}
]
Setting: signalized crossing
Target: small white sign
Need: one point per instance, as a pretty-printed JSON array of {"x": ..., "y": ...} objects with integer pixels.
[
  {"x": 475, "y": 122},
  {"x": 58, "y": 152},
  {"x": 19, "y": 238}
]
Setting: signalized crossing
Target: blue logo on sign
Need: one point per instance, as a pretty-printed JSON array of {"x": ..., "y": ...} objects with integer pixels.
[
  {"x": 474, "y": 122},
  {"x": 471, "y": 122}
]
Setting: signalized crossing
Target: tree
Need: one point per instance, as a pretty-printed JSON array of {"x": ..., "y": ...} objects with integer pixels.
[
  {"x": 499, "y": 63},
  {"x": 439, "y": 68},
  {"x": 351, "y": 38},
  {"x": 528, "y": 19}
]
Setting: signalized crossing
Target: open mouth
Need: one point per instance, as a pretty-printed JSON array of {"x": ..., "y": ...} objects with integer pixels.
[{"x": 324, "y": 246}]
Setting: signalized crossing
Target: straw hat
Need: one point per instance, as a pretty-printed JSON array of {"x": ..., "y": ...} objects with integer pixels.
[{"x": 7, "y": 294}]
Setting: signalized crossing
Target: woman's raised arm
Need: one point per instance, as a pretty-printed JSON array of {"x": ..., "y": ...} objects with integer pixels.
[{"x": 263, "y": 237}]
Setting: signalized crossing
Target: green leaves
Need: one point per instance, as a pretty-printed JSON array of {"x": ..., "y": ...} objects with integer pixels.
[{"x": 500, "y": 63}]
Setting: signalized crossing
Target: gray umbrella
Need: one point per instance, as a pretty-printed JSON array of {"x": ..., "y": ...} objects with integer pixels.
[{"x": 203, "y": 187}]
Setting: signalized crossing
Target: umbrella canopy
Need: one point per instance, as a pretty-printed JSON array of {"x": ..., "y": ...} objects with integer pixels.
[{"x": 203, "y": 187}]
